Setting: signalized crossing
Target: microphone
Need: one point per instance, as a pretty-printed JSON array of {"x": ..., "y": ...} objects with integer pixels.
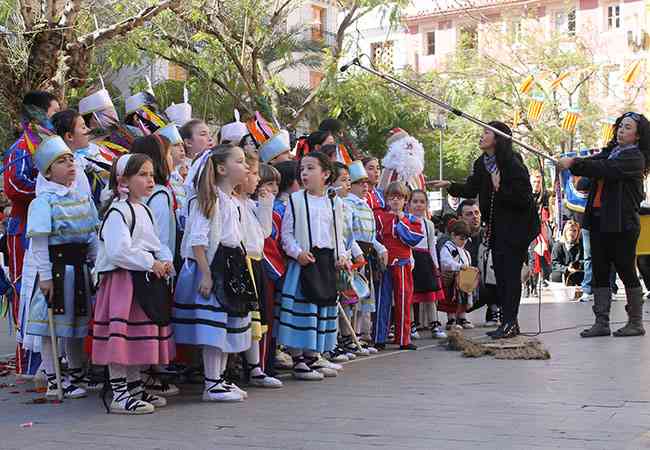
[
  {"x": 345, "y": 67},
  {"x": 333, "y": 190}
]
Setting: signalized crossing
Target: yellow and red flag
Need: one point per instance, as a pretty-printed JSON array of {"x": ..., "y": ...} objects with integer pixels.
[
  {"x": 571, "y": 120},
  {"x": 558, "y": 81},
  {"x": 607, "y": 130},
  {"x": 527, "y": 84},
  {"x": 535, "y": 108},
  {"x": 516, "y": 118},
  {"x": 632, "y": 72}
]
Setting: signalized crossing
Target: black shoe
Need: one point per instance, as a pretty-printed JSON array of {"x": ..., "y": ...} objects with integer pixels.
[
  {"x": 380, "y": 346},
  {"x": 506, "y": 331},
  {"x": 408, "y": 347}
]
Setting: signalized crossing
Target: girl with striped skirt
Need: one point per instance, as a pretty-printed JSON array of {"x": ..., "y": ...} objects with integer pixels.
[
  {"x": 131, "y": 320},
  {"x": 312, "y": 236},
  {"x": 215, "y": 292},
  {"x": 256, "y": 218},
  {"x": 162, "y": 203}
]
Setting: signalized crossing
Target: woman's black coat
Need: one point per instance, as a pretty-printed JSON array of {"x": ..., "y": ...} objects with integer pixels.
[{"x": 515, "y": 219}]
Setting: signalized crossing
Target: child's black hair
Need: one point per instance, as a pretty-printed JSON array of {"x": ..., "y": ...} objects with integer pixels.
[
  {"x": 338, "y": 168},
  {"x": 324, "y": 162},
  {"x": 288, "y": 174},
  {"x": 64, "y": 121}
]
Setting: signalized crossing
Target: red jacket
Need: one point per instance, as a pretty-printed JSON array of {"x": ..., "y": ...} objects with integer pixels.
[{"x": 398, "y": 236}]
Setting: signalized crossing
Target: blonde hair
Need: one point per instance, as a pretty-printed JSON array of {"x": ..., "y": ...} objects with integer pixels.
[
  {"x": 397, "y": 188},
  {"x": 565, "y": 230},
  {"x": 207, "y": 184}
]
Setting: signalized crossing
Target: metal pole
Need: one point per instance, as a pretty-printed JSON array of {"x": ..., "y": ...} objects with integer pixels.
[
  {"x": 449, "y": 108},
  {"x": 442, "y": 133}
]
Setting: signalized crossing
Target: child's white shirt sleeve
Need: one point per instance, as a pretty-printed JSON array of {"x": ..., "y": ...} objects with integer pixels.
[
  {"x": 447, "y": 261},
  {"x": 289, "y": 243},
  {"x": 41, "y": 254}
]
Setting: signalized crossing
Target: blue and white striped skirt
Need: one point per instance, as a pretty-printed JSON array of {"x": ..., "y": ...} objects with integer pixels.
[
  {"x": 299, "y": 323},
  {"x": 203, "y": 321}
]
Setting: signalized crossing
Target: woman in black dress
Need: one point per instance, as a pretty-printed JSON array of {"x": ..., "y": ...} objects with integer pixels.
[{"x": 501, "y": 181}]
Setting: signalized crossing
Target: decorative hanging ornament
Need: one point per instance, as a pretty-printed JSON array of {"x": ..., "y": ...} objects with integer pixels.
[
  {"x": 607, "y": 130},
  {"x": 527, "y": 84},
  {"x": 571, "y": 120},
  {"x": 632, "y": 72},
  {"x": 558, "y": 81},
  {"x": 535, "y": 108}
]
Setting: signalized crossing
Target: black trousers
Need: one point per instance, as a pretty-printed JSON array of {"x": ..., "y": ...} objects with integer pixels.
[
  {"x": 507, "y": 269},
  {"x": 618, "y": 249},
  {"x": 643, "y": 263}
]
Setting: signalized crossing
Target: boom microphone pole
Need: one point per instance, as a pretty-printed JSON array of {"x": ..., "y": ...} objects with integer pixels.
[{"x": 443, "y": 105}]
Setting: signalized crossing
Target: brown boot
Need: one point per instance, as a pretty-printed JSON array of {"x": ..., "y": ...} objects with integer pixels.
[
  {"x": 602, "y": 304},
  {"x": 634, "y": 308}
]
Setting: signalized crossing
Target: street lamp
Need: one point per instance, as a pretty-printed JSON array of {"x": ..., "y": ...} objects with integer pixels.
[{"x": 438, "y": 121}]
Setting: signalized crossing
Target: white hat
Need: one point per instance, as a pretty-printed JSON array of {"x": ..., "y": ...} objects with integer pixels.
[
  {"x": 137, "y": 101},
  {"x": 170, "y": 132},
  {"x": 179, "y": 113},
  {"x": 275, "y": 146},
  {"x": 234, "y": 131},
  {"x": 99, "y": 101}
]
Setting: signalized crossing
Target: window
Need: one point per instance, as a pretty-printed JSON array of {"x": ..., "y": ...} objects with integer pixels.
[
  {"x": 430, "y": 43},
  {"x": 382, "y": 54},
  {"x": 613, "y": 17},
  {"x": 314, "y": 79},
  {"x": 514, "y": 29},
  {"x": 469, "y": 38},
  {"x": 318, "y": 23},
  {"x": 176, "y": 72},
  {"x": 565, "y": 22}
]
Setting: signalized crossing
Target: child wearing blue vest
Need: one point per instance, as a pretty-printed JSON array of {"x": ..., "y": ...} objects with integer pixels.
[{"x": 62, "y": 225}]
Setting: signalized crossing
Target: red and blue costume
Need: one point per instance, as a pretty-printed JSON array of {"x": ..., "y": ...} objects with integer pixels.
[
  {"x": 399, "y": 236},
  {"x": 274, "y": 269},
  {"x": 20, "y": 185},
  {"x": 375, "y": 199}
]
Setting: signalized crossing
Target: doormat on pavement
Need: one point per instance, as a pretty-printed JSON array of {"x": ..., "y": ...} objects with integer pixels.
[{"x": 519, "y": 347}]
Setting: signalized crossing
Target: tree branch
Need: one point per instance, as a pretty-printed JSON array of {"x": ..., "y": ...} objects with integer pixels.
[
  {"x": 68, "y": 17},
  {"x": 126, "y": 25},
  {"x": 27, "y": 13}
]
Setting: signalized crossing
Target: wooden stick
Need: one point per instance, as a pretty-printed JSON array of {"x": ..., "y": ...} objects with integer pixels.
[
  {"x": 347, "y": 322},
  {"x": 55, "y": 354}
]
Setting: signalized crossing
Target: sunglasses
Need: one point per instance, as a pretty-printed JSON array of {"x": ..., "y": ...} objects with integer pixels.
[{"x": 634, "y": 116}]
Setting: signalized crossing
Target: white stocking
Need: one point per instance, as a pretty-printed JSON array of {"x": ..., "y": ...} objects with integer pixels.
[
  {"x": 46, "y": 355},
  {"x": 211, "y": 364},
  {"x": 253, "y": 358}
]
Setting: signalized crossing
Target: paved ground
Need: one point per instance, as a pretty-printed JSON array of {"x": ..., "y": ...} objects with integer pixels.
[{"x": 592, "y": 394}]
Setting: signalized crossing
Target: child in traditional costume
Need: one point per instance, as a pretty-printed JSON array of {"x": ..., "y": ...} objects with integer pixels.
[
  {"x": 399, "y": 232},
  {"x": 163, "y": 206},
  {"x": 257, "y": 223},
  {"x": 19, "y": 185},
  {"x": 427, "y": 284},
  {"x": 94, "y": 162},
  {"x": 131, "y": 321},
  {"x": 62, "y": 226},
  {"x": 312, "y": 236},
  {"x": 347, "y": 348},
  {"x": 143, "y": 113},
  {"x": 364, "y": 231},
  {"x": 215, "y": 292},
  {"x": 454, "y": 258}
]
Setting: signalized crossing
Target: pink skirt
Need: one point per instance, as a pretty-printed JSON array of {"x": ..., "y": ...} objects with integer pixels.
[{"x": 122, "y": 332}]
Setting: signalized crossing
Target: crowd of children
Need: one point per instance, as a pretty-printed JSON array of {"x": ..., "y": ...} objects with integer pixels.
[{"x": 227, "y": 245}]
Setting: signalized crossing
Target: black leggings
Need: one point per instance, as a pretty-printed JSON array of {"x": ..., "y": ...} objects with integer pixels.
[
  {"x": 507, "y": 270},
  {"x": 618, "y": 249}
]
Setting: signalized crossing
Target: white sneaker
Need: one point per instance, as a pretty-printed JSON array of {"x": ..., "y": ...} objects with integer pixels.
[
  {"x": 438, "y": 333},
  {"x": 70, "y": 391},
  {"x": 233, "y": 387},
  {"x": 587, "y": 298},
  {"x": 372, "y": 350},
  {"x": 328, "y": 369},
  {"x": 265, "y": 381},
  {"x": 301, "y": 371},
  {"x": 218, "y": 392},
  {"x": 415, "y": 334},
  {"x": 124, "y": 403},
  {"x": 338, "y": 355}
]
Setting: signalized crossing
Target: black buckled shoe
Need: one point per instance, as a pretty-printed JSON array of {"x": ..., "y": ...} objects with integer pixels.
[{"x": 505, "y": 331}]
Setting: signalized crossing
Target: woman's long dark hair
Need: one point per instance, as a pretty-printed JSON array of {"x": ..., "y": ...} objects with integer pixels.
[
  {"x": 502, "y": 145},
  {"x": 642, "y": 129}
]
